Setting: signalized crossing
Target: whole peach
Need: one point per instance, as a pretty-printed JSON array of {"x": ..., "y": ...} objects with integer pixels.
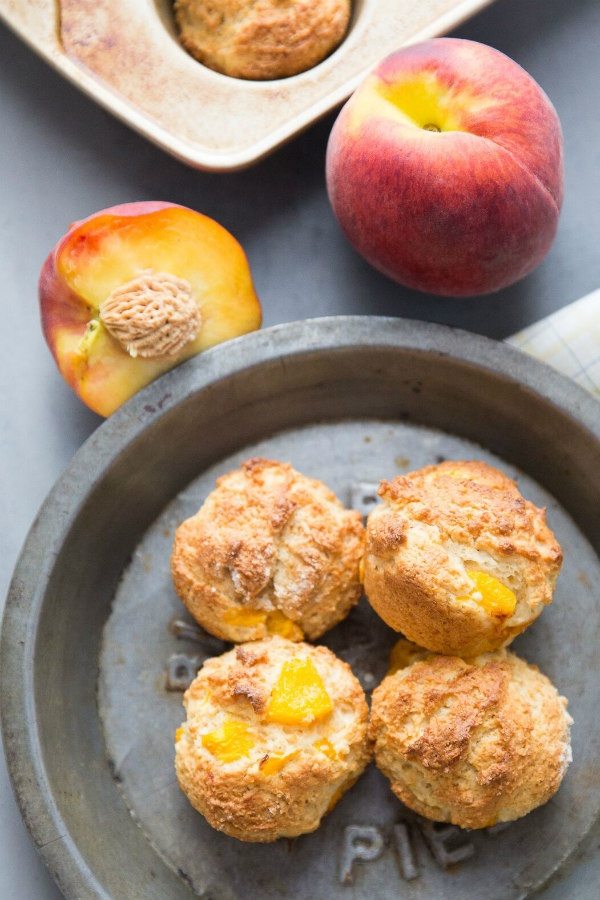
[{"x": 445, "y": 168}]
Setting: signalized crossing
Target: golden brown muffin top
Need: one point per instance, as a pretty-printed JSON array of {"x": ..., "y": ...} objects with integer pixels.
[
  {"x": 471, "y": 741},
  {"x": 241, "y": 685},
  {"x": 470, "y": 502},
  {"x": 256, "y": 771},
  {"x": 261, "y": 39},
  {"x": 269, "y": 538},
  {"x": 246, "y": 517},
  {"x": 242, "y": 680}
]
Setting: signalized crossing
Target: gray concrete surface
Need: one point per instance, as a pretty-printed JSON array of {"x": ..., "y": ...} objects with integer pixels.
[{"x": 61, "y": 158}]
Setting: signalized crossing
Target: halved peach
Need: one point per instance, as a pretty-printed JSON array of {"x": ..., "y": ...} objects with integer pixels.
[{"x": 136, "y": 289}]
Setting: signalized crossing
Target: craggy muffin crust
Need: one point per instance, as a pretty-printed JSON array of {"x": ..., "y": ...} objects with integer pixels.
[
  {"x": 261, "y": 39},
  {"x": 268, "y": 538},
  {"x": 472, "y": 742},
  {"x": 237, "y": 797},
  {"x": 434, "y": 526}
]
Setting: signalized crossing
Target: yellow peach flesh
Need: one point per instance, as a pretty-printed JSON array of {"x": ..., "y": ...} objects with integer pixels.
[
  {"x": 326, "y": 747},
  {"x": 230, "y": 742},
  {"x": 299, "y": 696},
  {"x": 245, "y": 618},
  {"x": 272, "y": 765},
  {"x": 361, "y": 570},
  {"x": 493, "y": 596},
  {"x": 108, "y": 251},
  {"x": 276, "y": 622}
]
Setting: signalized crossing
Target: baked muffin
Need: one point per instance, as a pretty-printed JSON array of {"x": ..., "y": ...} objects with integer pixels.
[
  {"x": 276, "y": 733},
  {"x": 270, "y": 551},
  {"x": 472, "y": 742},
  {"x": 262, "y": 39},
  {"x": 457, "y": 560}
]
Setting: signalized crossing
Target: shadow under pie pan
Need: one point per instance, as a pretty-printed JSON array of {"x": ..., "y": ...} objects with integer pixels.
[
  {"x": 94, "y": 635},
  {"x": 125, "y": 55}
]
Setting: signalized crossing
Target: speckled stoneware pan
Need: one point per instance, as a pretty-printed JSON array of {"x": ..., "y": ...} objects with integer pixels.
[
  {"x": 96, "y": 649},
  {"x": 125, "y": 54}
]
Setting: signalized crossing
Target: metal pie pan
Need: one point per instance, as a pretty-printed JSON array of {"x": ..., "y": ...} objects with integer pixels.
[{"x": 93, "y": 633}]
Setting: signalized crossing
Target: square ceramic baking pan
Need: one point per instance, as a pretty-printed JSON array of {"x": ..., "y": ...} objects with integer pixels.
[{"x": 125, "y": 54}]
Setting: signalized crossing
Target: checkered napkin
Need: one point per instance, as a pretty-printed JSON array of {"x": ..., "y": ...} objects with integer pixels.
[{"x": 569, "y": 340}]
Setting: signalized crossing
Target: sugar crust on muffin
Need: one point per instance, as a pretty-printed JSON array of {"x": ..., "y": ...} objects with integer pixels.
[
  {"x": 276, "y": 732},
  {"x": 457, "y": 560},
  {"x": 471, "y": 742},
  {"x": 270, "y": 551}
]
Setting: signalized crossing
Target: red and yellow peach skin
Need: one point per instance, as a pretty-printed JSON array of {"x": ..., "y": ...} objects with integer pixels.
[{"x": 445, "y": 168}]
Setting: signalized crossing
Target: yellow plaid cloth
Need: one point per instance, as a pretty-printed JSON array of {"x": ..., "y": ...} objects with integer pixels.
[{"x": 569, "y": 340}]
